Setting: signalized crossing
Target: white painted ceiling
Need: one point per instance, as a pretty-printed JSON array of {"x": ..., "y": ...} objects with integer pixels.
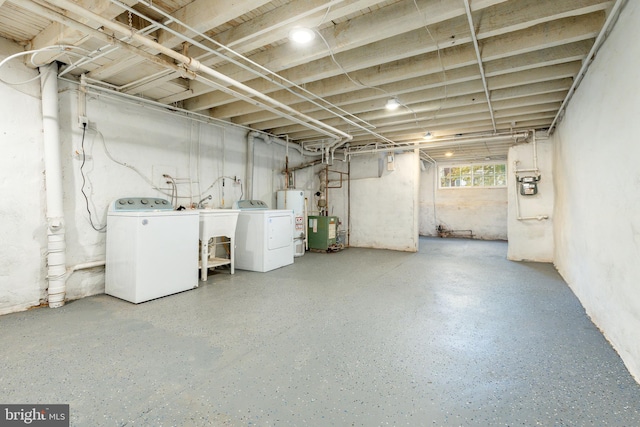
[{"x": 364, "y": 53}]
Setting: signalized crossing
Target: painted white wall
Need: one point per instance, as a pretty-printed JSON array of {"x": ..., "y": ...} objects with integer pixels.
[
  {"x": 482, "y": 210},
  {"x": 199, "y": 156},
  {"x": 531, "y": 239},
  {"x": 22, "y": 205},
  {"x": 384, "y": 203},
  {"x": 128, "y": 148},
  {"x": 597, "y": 209}
]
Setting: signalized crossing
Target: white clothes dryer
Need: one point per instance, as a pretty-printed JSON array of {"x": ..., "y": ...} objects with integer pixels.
[{"x": 264, "y": 237}]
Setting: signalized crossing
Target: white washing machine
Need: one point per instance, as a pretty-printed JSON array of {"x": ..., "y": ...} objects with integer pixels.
[
  {"x": 264, "y": 237},
  {"x": 152, "y": 250}
]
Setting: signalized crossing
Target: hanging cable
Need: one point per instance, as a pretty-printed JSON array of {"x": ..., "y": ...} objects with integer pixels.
[
  {"x": 61, "y": 48},
  {"x": 355, "y": 82},
  {"x": 174, "y": 189},
  {"x": 438, "y": 49},
  {"x": 86, "y": 198},
  {"x": 133, "y": 168},
  {"x": 365, "y": 86}
]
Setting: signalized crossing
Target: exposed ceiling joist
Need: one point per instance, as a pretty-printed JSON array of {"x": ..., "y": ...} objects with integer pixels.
[{"x": 365, "y": 52}]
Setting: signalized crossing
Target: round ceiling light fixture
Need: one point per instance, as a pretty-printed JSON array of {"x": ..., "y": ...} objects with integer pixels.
[
  {"x": 392, "y": 104},
  {"x": 302, "y": 35},
  {"x": 427, "y": 135}
]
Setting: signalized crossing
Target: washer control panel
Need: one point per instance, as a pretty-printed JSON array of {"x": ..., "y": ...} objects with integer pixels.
[
  {"x": 142, "y": 204},
  {"x": 250, "y": 204}
]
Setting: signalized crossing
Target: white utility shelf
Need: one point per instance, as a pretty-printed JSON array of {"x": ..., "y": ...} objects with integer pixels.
[{"x": 215, "y": 223}]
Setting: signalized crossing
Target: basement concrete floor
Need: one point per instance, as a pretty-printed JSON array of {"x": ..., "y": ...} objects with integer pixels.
[{"x": 454, "y": 335}]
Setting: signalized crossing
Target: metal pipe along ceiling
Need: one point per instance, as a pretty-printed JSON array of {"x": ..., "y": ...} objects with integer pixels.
[
  {"x": 71, "y": 23},
  {"x": 443, "y": 143},
  {"x": 263, "y": 73},
  {"x": 191, "y": 66},
  {"x": 195, "y": 66},
  {"x": 365, "y": 126}
]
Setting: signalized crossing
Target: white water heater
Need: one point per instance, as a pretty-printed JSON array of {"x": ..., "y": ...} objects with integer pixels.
[{"x": 295, "y": 201}]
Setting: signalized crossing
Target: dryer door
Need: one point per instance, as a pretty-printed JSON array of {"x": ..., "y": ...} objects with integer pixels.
[{"x": 279, "y": 231}]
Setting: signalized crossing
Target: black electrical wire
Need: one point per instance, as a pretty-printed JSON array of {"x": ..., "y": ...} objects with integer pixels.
[{"x": 84, "y": 181}]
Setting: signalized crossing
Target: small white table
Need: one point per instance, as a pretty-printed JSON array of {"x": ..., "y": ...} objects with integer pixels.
[{"x": 217, "y": 223}]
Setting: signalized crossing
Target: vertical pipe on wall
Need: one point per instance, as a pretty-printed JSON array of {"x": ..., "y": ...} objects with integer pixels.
[
  {"x": 326, "y": 190},
  {"x": 56, "y": 246},
  {"x": 249, "y": 171},
  {"x": 349, "y": 202},
  {"x": 535, "y": 151}
]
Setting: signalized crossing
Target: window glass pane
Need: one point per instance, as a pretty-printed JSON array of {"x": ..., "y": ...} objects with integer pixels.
[
  {"x": 489, "y": 181},
  {"x": 479, "y": 175}
]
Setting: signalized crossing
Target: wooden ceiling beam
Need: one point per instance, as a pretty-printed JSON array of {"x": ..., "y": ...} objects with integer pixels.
[
  {"x": 263, "y": 30},
  {"x": 58, "y": 34},
  {"x": 199, "y": 14},
  {"x": 496, "y": 49},
  {"x": 203, "y": 15},
  {"x": 428, "y": 115},
  {"x": 417, "y": 42},
  {"x": 397, "y": 27},
  {"x": 498, "y": 82}
]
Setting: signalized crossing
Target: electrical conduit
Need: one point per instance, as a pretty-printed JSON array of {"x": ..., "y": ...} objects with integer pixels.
[{"x": 56, "y": 245}]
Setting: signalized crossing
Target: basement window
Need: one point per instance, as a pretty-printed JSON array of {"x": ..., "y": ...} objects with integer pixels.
[{"x": 488, "y": 175}]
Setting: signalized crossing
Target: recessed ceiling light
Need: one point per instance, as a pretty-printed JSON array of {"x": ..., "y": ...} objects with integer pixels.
[
  {"x": 392, "y": 104},
  {"x": 301, "y": 35},
  {"x": 448, "y": 154}
]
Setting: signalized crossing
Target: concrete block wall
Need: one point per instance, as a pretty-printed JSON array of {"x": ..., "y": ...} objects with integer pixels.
[
  {"x": 385, "y": 209},
  {"x": 482, "y": 210}
]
